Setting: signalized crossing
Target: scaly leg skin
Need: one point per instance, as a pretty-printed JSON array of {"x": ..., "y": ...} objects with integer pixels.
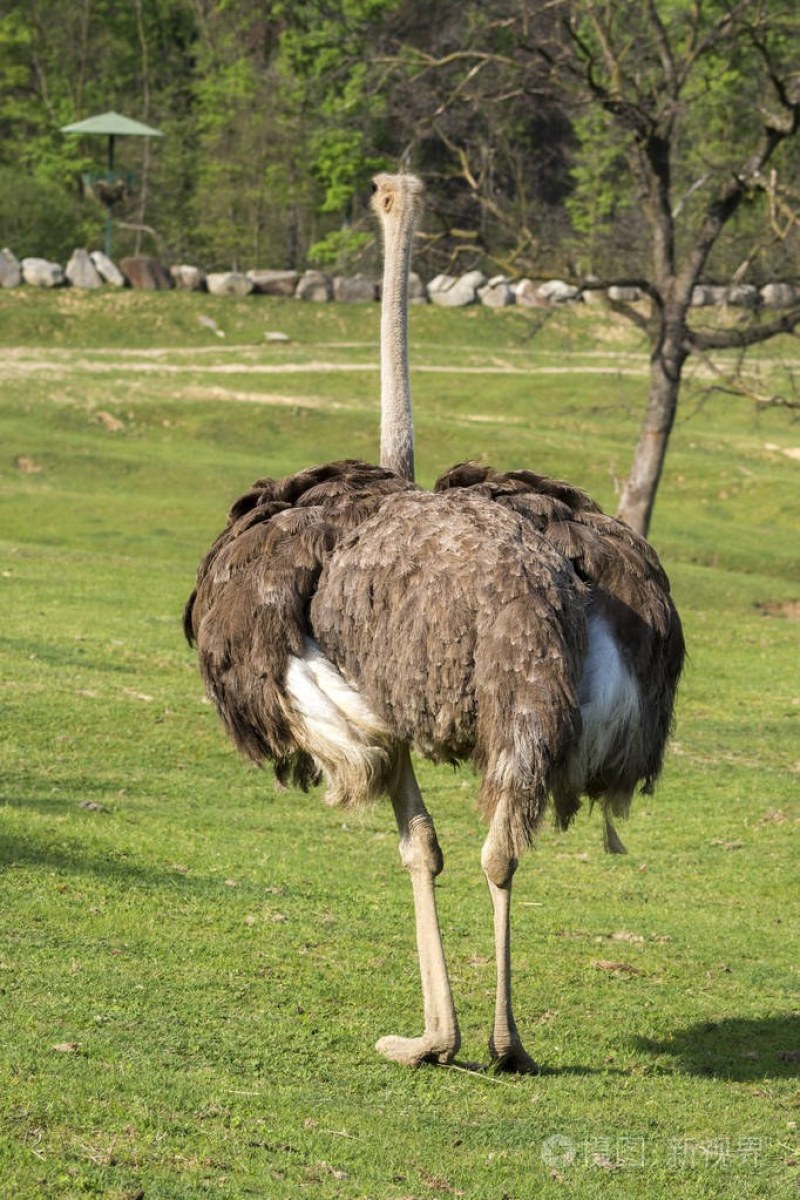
[
  {"x": 420, "y": 853},
  {"x": 505, "y": 1045}
]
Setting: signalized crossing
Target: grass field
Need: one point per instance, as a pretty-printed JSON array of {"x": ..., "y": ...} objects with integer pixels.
[{"x": 194, "y": 968}]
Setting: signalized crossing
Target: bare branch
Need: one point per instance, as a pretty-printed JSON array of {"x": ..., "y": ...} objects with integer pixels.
[
  {"x": 698, "y": 340},
  {"x": 630, "y": 314},
  {"x": 725, "y": 25},
  {"x": 698, "y": 183},
  {"x": 637, "y": 281},
  {"x": 664, "y": 51},
  {"x": 431, "y": 62},
  {"x": 724, "y": 205},
  {"x": 138, "y": 227}
]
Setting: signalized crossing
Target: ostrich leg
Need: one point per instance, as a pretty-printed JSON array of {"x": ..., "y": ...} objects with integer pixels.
[
  {"x": 420, "y": 854},
  {"x": 505, "y": 1045}
]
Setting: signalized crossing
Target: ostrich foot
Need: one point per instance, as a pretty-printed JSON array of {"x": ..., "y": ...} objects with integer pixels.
[
  {"x": 413, "y": 1052},
  {"x": 513, "y": 1059}
]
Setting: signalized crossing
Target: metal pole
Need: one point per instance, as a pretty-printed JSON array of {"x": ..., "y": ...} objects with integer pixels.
[{"x": 107, "y": 238}]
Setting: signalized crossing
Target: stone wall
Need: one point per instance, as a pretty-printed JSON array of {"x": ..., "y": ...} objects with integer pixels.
[{"x": 93, "y": 270}]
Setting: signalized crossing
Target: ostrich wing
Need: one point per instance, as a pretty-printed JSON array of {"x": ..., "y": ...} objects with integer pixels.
[
  {"x": 628, "y": 585},
  {"x": 248, "y": 613}
]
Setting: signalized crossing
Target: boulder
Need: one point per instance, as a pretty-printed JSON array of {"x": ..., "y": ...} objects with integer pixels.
[
  {"x": 742, "y": 295},
  {"x": 556, "y": 291},
  {"x": 10, "y": 270},
  {"x": 496, "y": 293},
  {"x": 623, "y": 294},
  {"x": 146, "y": 274},
  {"x": 108, "y": 271},
  {"x": 591, "y": 291},
  {"x": 229, "y": 283},
  {"x": 718, "y": 294},
  {"x": 274, "y": 283},
  {"x": 702, "y": 296},
  {"x": 440, "y": 283},
  {"x": 315, "y": 286},
  {"x": 81, "y": 271},
  {"x": 188, "y": 279},
  {"x": 526, "y": 294},
  {"x": 448, "y": 292},
  {"x": 417, "y": 291},
  {"x": 779, "y": 295},
  {"x": 40, "y": 272},
  {"x": 354, "y": 289}
]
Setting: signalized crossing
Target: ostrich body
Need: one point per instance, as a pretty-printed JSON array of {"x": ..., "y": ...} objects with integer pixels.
[{"x": 344, "y": 616}]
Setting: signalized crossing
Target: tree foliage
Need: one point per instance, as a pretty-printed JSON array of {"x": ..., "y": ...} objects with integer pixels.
[{"x": 276, "y": 114}]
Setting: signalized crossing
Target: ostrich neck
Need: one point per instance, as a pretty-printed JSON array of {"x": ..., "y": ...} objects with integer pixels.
[{"x": 397, "y": 426}]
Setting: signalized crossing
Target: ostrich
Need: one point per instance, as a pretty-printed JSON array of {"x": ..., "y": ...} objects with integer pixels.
[{"x": 344, "y": 616}]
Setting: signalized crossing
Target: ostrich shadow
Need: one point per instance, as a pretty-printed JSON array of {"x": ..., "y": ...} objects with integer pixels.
[
  {"x": 68, "y": 854},
  {"x": 744, "y": 1049}
]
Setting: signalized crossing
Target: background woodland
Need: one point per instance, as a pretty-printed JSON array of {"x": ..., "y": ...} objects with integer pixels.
[{"x": 275, "y": 114}]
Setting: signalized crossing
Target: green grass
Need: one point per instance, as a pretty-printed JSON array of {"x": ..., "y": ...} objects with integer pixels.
[{"x": 222, "y": 957}]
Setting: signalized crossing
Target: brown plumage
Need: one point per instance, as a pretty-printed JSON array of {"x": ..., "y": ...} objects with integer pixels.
[
  {"x": 628, "y": 587},
  {"x": 344, "y": 616},
  {"x": 486, "y": 669},
  {"x": 249, "y": 611}
]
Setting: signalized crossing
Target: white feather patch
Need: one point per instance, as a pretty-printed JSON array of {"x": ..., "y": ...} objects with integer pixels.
[
  {"x": 610, "y": 705},
  {"x": 336, "y": 726}
]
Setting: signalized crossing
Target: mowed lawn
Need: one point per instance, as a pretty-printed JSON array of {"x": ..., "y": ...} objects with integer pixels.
[{"x": 194, "y": 967}]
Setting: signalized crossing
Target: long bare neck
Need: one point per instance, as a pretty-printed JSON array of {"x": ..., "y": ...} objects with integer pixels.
[{"x": 397, "y": 423}]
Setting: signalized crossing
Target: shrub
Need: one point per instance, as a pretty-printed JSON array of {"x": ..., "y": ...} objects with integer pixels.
[{"x": 39, "y": 217}]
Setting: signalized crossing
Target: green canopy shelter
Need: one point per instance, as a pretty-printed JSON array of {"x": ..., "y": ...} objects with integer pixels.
[{"x": 110, "y": 186}]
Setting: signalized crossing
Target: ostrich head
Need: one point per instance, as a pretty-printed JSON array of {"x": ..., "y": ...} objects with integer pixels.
[{"x": 397, "y": 197}]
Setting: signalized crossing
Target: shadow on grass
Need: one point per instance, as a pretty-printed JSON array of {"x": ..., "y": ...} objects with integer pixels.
[
  {"x": 69, "y": 855},
  {"x": 739, "y": 1048}
]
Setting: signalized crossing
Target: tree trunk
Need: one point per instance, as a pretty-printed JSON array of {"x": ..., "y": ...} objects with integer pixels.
[
  {"x": 145, "y": 57},
  {"x": 639, "y": 493}
]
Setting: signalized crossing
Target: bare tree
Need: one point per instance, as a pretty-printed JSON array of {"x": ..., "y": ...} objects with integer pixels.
[{"x": 698, "y": 100}]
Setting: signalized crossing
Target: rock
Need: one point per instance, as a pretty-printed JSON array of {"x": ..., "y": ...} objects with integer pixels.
[
  {"x": 229, "y": 283},
  {"x": 717, "y": 293},
  {"x": 702, "y": 296},
  {"x": 591, "y": 291},
  {"x": 779, "y": 295},
  {"x": 108, "y": 271},
  {"x": 40, "y": 272},
  {"x": 448, "y": 292},
  {"x": 354, "y": 289},
  {"x": 210, "y": 323},
  {"x": 440, "y": 283},
  {"x": 274, "y": 283},
  {"x": 81, "y": 271},
  {"x": 275, "y": 337},
  {"x": 526, "y": 294},
  {"x": 556, "y": 291},
  {"x": 188, "y": 279},
  {"x": 623, "y": 294},
  {"x": 315, "y": 286},
  {"x": 743, "y": 295},
  {"x": 10, "y": 270},
  {"x": 146, "y": 274},
  {"x": 497, "y": 293},
  {"x": 417, "y": 292}
]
